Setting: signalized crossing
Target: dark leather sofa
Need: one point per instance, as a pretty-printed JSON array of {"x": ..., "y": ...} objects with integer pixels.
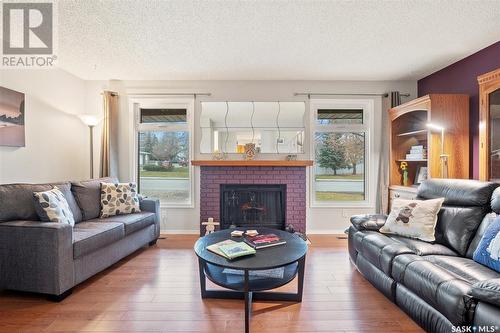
[{"x": 437, "y": 284}]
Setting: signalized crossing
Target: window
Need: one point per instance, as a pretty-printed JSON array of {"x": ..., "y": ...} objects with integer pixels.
[
  {"x": 340, "y": 144},
  {"x": 164, "y": 152}
]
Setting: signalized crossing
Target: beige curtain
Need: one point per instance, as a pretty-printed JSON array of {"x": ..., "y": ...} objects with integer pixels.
[
  {"x": 393, "y": 99},
  {"x": 109, "y": 140}
]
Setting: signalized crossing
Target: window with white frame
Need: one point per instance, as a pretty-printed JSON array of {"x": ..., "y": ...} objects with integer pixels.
[
  {"x": 164, "y": 151},
  {"x": 341, "y": 146}
]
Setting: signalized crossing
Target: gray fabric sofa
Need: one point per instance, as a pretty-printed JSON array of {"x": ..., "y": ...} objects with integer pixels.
[
  {"x": 437, "y": 284},
  {"x": 51, "y": 258}
]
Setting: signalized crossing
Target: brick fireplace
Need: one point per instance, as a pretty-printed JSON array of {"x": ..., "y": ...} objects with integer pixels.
[{"x": 294, "y": 177}]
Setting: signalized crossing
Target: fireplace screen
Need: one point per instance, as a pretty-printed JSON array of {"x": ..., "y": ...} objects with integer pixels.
[{"x": 252, "y": 206}]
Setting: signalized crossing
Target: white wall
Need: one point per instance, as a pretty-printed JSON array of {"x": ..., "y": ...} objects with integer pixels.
[
  {"x": 56, "y": 140},
  {"x": 319, "y": 220}
]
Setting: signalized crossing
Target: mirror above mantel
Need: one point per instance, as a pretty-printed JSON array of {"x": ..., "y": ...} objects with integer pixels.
[{"x": 274, "y": 127}]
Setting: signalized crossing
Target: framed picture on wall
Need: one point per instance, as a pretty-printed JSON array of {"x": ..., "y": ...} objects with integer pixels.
[
  {"x": 11, "y": 118},
  {"x": 421, "y": 175}
]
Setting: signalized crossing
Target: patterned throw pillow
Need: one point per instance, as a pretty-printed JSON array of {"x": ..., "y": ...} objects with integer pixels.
[
  {"x": 413, "y": 218},
  {"x": 488, "y": 250},
  {"x": 119, "y": 198},
  {"x": 51, "y": 206}
]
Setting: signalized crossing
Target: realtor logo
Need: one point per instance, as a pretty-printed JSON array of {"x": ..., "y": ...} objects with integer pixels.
[{"x": 28, "y": 29}]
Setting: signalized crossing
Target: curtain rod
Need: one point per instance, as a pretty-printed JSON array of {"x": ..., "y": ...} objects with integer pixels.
[
  {"x": 175, "y": 94},
  {"x": 167, "y": 94},
  {"x": 308, "y": 94}
]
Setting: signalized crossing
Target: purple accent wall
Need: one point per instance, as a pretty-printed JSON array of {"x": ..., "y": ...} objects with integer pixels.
[
  {"x": 294, "y": 177},
  {"x": 461, "y": 78}
]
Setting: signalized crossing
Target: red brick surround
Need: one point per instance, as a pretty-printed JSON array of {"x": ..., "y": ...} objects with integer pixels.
[{"x": 294, "y": 177}]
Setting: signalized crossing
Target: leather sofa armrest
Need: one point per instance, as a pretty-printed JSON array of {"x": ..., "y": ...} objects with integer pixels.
[
  {"x": 36, "y": 256},
  {"x": 153, "y": 206},
  {"x": 368, "y": 221},
  {"x": 487, "y": 291}
]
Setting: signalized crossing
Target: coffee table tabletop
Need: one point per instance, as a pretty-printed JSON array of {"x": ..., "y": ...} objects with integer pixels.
[{"x": 266, "y": 258}]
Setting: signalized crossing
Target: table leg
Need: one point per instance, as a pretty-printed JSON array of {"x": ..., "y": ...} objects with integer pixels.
[
  {"x": 300, "y": 282},
  {"x": 203, "y": 286},
  {"x": 248, "y": 303}
]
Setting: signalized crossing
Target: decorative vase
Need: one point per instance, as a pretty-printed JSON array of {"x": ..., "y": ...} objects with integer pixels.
[
  {"x": 249, "y": 151},
  {"x": 404, "y": 168},
  {"x": 405, "y": 177}
]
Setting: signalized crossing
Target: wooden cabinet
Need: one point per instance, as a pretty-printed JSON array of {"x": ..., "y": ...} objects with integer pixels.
[
  {"x": 402, "y": 192},
  {"x": 489, "y": 126},
  {"x": 418, "y": 123}
]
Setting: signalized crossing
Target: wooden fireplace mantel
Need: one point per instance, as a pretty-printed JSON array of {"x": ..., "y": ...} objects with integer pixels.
[{"x": 243, "y": 163}]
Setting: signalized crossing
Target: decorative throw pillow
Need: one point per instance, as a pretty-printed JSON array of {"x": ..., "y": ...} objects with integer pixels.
[
  {"x": 488, "y": 250},
  {"x": 413, "y": 218},
  {"x": 52, "y": 206},
  {"x": 119, "y": 198}
]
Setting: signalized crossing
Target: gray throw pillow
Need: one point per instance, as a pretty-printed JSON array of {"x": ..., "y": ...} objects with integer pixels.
[{"x": 51, "y": 206}]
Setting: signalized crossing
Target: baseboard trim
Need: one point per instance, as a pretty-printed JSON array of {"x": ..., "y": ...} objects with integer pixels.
[
  {"x": 180, "y": 232},
  {"x": 326, "y": 232}
]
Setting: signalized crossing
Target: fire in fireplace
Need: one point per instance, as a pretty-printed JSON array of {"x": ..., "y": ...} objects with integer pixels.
[{"x": 252, "y": 206}]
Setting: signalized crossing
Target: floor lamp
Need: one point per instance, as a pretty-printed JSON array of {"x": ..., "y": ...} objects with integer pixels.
[
  {"x": 442, "y": 155},
  {"x": 90, "y": 121}
]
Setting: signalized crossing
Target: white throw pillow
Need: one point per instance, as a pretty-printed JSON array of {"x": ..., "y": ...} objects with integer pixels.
[
  {"x": 52, "y": 206},
  {"x": 119, "y": 198},
  {"x": 413, "y": 218}
]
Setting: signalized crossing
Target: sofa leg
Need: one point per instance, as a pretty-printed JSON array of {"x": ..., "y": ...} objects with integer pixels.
[
  {"x": 153, "y": 242},
  {"x": 59, "y": 298}
]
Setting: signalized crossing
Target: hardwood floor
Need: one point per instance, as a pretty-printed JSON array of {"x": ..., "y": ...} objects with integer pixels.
[{"x": 157, "y": 290}]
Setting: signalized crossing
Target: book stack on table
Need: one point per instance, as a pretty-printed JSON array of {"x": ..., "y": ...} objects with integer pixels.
[
  {"x": 263, "y": 241},
  {"x": 231, "y": 249},
  {"x": 417, "y": 153}
]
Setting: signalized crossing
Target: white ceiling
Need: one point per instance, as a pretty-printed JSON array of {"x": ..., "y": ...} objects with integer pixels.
[{"x": 270, "y": 40}]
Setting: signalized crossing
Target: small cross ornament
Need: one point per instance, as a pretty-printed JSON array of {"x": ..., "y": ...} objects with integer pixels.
[{"x": 210, "y": 225}]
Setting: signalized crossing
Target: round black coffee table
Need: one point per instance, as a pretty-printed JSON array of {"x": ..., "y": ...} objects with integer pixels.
[{"x": 248, "y": 277}]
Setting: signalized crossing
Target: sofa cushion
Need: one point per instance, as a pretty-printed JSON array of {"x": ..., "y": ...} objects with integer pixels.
[
  {"x": 487, "y": 291},
  {"x": 378, "y": 249},
  {"x": 17, "y": 201},
  {"x": 486, "y": 315},
  {"x": 423, "y": 248},
  {"x": 457, "y": 226},
  {"x": 91, "y": 236},
  {"x": 466, "y": 203},
  {"x": 464, "y": 268},
  {"x": 88, "y": 196},
  {"x": 65, "y": 188},
  {"x": 440, "y": 288},
  {"x": 132, "y": 222},
  {"x": 458, "y": 192}
]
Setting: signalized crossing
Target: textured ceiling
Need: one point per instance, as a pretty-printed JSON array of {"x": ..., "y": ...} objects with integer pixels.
[{"x": 270, "y": 40}]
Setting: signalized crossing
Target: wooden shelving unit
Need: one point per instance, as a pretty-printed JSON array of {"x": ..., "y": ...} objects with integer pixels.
[
  {"x": 409, "y": 127},
  {"x": 422, "y": 132}
]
